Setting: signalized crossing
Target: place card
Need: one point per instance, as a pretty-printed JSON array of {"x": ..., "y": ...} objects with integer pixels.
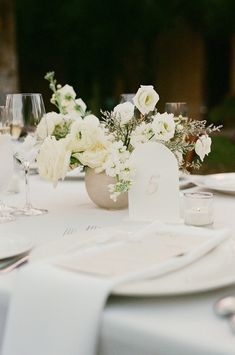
[{"x": 154, "y": 194}]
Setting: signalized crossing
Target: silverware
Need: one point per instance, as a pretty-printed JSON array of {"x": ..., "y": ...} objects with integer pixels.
[
  {"x": 14, "y": 265},
  {"x": 69, "y": 231},
  {"x": 91, "y": 227}
]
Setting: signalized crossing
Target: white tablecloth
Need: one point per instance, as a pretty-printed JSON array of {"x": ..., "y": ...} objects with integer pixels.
[{"x": 156, "y": 325}]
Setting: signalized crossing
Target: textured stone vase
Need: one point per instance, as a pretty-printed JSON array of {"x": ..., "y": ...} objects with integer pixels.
[{"x": 97, "y": 189}]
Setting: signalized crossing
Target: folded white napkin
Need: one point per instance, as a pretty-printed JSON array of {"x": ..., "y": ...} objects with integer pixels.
[{"x": 57, "y": 312}]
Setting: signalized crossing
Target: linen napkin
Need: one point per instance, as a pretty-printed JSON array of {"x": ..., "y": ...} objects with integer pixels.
[{"x": 57, "y": 312}]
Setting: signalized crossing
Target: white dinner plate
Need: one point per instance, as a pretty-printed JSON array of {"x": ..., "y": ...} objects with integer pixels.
[
  {"x": 218, "y": 182},
  {"x": 12, "y": 245},
  {"x": 75, "y": 174},
  {"x": 213, "y": 271}
]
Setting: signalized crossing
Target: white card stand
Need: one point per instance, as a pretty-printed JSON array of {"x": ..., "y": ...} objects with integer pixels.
[{"x": 154, "y": 194}]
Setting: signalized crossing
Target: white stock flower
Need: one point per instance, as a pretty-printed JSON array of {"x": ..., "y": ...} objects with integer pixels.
[
  {"x": 125, "y": 111},
  {"x": 203, "y": 146},
  {"x": 77, "y": 106},
  {"x": 67, "y": 94},
  {"x": 142, "y": 134},
  {"x": 164, "y": 126},
  {"x": 53, "y": 159},
  {"x": 48, "y": 123},
  {"x": 146, "y": 99},
  {"x": 80, "y": 106}
]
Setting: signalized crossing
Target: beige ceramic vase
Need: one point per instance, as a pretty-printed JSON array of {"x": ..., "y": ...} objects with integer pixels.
[{"x": 97, "y": 189}]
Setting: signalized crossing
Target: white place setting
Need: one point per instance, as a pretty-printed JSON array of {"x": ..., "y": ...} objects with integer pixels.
[{"x": 121, "y": 261}]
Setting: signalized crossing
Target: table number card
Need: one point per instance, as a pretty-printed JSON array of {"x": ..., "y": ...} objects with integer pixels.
[{"x": 154, "y": 194}]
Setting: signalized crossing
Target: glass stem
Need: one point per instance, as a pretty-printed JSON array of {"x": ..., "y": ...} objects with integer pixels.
[{"x": 27, "y": 190}]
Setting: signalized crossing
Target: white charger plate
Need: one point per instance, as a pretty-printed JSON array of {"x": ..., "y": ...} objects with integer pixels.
[
  {"x": 224, "y": 182},
  {"x": 215, "y": 270},
  {"x": 12, "y": 245}
]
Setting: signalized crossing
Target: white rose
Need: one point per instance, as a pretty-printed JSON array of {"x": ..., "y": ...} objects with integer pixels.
[
  {"x": 53, "y": 159},
  {"x": 145, "y": 99},
  {"x": 48, "y": 123},
  {"x": 92, "y": 120},
  {"x": 85, "y": 134},
  {"x": 125, "y": 111},
  {"x": 93, "y": 158},
  {"x": 203, "y": 146},
  {"x": 164, "y": 126}
]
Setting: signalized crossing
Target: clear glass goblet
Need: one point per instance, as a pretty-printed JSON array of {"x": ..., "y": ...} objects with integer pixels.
[
  {"x": 4, "y": 123},
  {"x": 26, "y": 109},
  {"x": 177, "y": 108},
  {"x": 126, "y": 97},
  {"x": 6, "y": 172}
]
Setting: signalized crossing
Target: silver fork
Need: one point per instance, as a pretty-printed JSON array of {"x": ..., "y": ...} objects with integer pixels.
[
  {"x": 91, "y": 227},
  {"x": 69, "y": 231},
  {"x": 14, "y": 265}
]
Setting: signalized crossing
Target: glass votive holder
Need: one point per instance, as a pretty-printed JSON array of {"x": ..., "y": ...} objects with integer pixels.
[{"x": 198, "y": 208}]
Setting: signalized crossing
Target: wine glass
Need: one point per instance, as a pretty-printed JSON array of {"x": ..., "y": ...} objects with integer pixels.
[
  {"x": 4, "y": 123},
  {"x": 6, "y": 172},
  {"x": 26, "y": 109},
  {"x": 177, "y": 108},
  {"x": 126, "y": 98}
]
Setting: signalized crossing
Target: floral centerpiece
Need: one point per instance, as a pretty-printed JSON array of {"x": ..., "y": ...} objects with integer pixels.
[{"x": 74, "y": 137}]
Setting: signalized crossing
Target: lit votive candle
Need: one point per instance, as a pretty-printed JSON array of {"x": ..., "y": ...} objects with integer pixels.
[{"x": 198, "y": 208}]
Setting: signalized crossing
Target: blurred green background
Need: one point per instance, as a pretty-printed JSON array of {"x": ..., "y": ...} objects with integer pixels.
[{"x": 186, "y": 49}]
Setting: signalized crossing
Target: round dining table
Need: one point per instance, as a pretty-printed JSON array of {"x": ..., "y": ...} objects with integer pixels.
[{"x": 169, "y": 323}]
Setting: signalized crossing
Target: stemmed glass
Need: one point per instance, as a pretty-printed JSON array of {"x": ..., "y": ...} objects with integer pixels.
[
  {"x": 126, "y": 98},
  {"x": 26, "y": 109},
  {"x": 4, "y": 123},
  {"x": 6, "y": 172},
  {"x": 177, "y": 108}
]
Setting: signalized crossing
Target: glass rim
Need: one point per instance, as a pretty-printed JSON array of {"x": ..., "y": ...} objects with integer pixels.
[
  {"x": 24, "y": 94},
  {"x": 199, "y": 195},
  {"x": 176, "y": 103}
]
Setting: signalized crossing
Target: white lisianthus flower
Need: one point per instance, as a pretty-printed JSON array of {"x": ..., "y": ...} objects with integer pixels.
[
  {"x": 53, "y": 159},
  {"x": 146, "y": 99},
  {"x": 48, "y": 123},
  {"x": 125, "y": 111},
  {"x": 203, "y": 146},
  {"x": 163, "y": 126}
]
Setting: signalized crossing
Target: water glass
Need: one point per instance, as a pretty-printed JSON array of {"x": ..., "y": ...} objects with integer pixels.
[{"x": 26, "y": 109}]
